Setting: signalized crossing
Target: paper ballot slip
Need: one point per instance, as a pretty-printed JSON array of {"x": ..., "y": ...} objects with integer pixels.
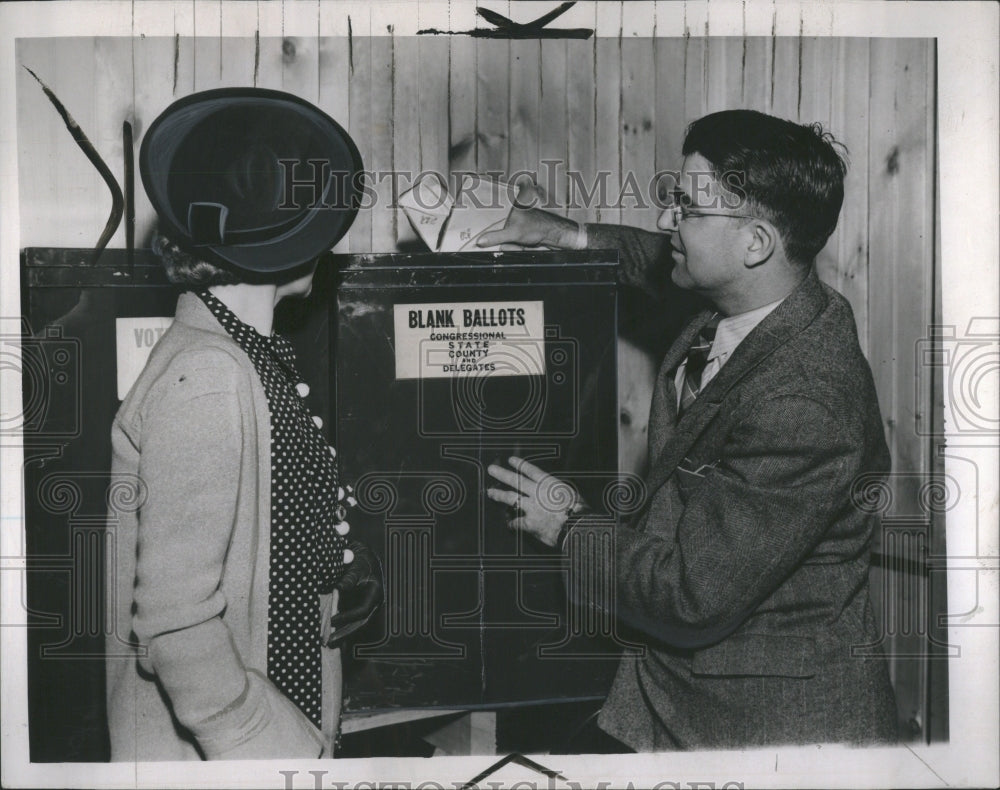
[{"x": 447, "y": 224}]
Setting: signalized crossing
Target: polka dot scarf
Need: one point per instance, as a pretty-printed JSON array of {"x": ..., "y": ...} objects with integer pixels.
[{"x": 308, "y": 525}]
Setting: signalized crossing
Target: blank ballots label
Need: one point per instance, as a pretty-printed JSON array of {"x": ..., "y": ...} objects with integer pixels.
[{"x": 469, "y": 339}]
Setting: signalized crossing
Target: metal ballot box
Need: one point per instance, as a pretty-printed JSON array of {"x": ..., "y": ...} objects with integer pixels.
[{"x": 444, "y": 364}]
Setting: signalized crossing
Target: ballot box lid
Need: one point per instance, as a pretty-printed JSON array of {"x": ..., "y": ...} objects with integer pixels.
[{"x": 506, "y": 268}]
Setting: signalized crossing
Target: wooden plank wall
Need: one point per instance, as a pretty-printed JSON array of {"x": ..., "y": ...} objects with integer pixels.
[{"x": 617, "y": 103}]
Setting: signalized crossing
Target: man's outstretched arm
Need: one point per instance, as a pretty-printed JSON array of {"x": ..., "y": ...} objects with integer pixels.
[{"x": 644, "y": 255}]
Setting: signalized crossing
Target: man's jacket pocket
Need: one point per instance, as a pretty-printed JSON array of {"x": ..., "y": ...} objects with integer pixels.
[{"x": 690, "y": 476}]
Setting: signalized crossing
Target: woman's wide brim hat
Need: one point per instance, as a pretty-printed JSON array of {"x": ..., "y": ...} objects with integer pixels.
[{"x": 250, "y": 178}]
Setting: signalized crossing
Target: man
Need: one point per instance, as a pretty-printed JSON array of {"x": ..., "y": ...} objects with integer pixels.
[{"x": 746, "y": 572}]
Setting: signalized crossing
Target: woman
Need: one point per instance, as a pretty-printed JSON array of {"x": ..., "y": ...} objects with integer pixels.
[{"x": 227, "y": 574}]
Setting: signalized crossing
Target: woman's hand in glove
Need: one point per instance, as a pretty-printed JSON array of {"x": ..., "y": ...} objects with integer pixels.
[{"x": 361, "y": 593}]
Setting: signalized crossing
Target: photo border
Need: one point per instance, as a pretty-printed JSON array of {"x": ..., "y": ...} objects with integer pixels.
[{"x": 968, "y": 163}]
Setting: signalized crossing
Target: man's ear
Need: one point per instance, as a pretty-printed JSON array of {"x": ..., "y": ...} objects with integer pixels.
[{"x": 762, "y": 243}]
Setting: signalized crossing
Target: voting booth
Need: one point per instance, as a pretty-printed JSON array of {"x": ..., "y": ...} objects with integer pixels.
[{"x": 426, "y": 369}]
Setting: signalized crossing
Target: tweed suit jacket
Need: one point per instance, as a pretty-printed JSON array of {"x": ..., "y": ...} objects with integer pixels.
[
  {"x": 745, "y": 576},
  {"x": 188, "y": 584}
]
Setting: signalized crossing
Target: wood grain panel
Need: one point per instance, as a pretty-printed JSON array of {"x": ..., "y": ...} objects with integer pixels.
[
  {"x": 155, "y": 60},
  {"x": 607, "y": 107},
  {"x": 815, "y": 105},
  {"x": 270, "y": 17},
  {"x": 725, "y": 73},
  {"x": 849, "y": 122},
  {"x": 580, "y": 129},
  {"x": 300, "y": 66},
  {"x": 638, "y": 145},
  {"x": 432, "y": 64},
  {"x": 818, "y": 59},
  {"x": 553, "y": 142},
  {"x": 55, "y": 179},
  {"x": 524, "y": 112},
  {"x": 239, "y": 56},
  {"x": 334, "y": 66},
  {"x": 238, "y": 45},
  {"x": 462, "y": 68},
  {"x": 900, "y": 184},
  {"x": 334, "y": 92},
  {"x": 671, "y": 119},
  {"x": 492, "y": 104},
  {"x": 381, "y": 131},
  {"x": 113, "y": 68},
  {"x": 359, "y": 54},
  {"x": 183, "y": 65},
  {"x": 207, "y": 62},
  {"x": 406, "y": 135},
  {"x": 695, "y": 78},
  {"x": 785, "y": 78},
  {"x": 756, "y": 78}
]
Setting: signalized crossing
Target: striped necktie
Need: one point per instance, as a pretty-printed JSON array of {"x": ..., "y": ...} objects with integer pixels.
[{"x": 697, "y": 359}]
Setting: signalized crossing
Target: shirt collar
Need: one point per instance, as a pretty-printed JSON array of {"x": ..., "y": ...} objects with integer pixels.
[{"x": 733, "y": 329}]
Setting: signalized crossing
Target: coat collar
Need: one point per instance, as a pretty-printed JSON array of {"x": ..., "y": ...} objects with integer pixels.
[
  {"x": 193, "y": 312},
  {"x": 793, "y": 315}
]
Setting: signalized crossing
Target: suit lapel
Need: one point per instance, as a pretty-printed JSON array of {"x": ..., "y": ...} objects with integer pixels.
[{"x": 787, "y": 320}]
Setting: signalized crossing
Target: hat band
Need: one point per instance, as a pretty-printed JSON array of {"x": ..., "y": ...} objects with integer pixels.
[
  {"x": 206, "y": 223},
  {"x": 207, "y": 227}
]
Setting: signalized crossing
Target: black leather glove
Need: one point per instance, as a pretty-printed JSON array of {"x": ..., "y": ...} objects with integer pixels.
[{"x": 361, "y": 591}]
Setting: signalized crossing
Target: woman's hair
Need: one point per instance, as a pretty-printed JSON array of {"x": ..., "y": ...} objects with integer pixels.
[{"x": 182, "y": 268}]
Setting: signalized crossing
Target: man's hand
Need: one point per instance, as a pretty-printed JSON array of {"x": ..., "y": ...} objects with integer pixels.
[
  {"x": 361, "y": 592},
  {"x": 544, "y": 502},
  {"x": 528, "y": 226}
]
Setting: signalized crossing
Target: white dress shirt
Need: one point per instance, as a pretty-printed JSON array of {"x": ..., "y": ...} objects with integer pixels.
[{"x": 730, "y": 333}]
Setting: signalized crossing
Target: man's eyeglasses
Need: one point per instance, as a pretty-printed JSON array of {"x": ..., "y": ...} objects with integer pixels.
[{"x": 680, "y": 210}]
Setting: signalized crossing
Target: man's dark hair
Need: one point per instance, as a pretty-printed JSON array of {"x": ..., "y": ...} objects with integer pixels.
[{"x": 789, "y": 174}]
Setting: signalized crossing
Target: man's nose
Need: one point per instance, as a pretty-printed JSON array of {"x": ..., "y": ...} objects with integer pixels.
[{"x": 667, "y": 220}]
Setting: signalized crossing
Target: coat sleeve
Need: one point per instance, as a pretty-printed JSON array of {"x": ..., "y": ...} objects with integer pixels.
[
  {"x": 749, "y": 522},
  {"x": 644, "y": 255},
  {"x": 645, "y": 264},
  {"x": 191, "y": 446}
]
